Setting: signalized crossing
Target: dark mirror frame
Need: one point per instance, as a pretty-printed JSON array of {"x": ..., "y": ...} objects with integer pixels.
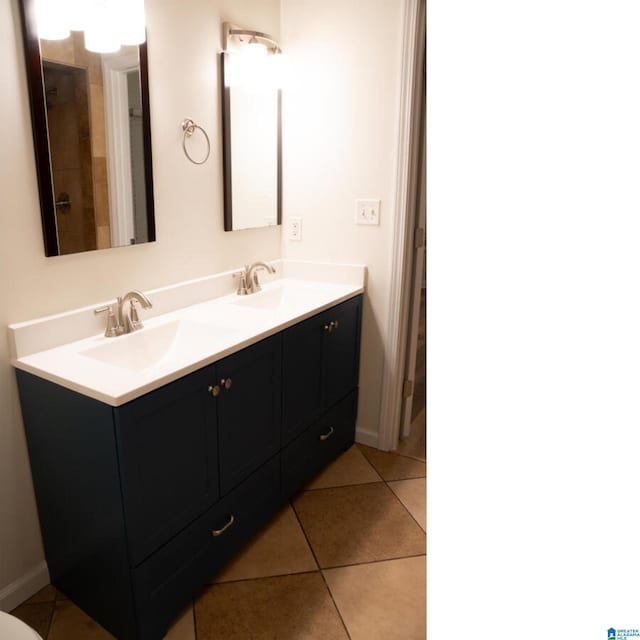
[
  {"x": 35, "y": 85},
  {"x": 226, "y": 150}
]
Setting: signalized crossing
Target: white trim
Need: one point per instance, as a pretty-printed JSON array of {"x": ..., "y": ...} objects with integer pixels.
[
  {"x": 116, "y": 113},
  {"x": 24, "y": 587},
  {"x": 417, "y": 275},
  {"x": 395, "y": 346},
  {"x": 367, "y": 437}
]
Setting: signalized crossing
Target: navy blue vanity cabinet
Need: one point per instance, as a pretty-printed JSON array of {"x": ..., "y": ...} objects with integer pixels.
[
  {"x": 320, "y": 363},
  {"x": 141, "y": 504}
]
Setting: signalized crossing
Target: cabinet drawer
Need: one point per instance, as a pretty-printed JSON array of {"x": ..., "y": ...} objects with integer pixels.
[
  {"x": 165, "y": 582},
  {"x": 319, "y": 444}
]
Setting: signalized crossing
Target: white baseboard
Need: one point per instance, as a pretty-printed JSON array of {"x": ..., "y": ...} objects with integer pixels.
[
  {"x": 369, "y": 438},
  {"x": 24, "y": 587}
]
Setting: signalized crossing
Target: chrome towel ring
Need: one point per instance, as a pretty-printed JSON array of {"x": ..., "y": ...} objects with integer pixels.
[{"x": 189, "y": 127}]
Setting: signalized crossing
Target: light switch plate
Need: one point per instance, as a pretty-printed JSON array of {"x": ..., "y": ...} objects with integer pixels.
[{"x": 368, "y": 212}]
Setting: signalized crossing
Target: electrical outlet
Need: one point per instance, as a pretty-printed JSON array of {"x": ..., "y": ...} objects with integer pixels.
[
  {"x": 295, "y": 228},
  {"x": 368, "y": 212}
]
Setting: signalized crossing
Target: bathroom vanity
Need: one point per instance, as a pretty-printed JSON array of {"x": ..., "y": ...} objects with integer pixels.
[{"x": 143, "y": 495}]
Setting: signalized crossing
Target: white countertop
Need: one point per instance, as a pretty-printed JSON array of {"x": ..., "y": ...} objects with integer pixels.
[{"x": 173, "y": 344}]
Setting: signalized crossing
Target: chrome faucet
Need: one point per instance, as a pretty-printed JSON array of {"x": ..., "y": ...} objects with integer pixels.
[
  {"x": 119, "y": 322},
  {"x": 249, "y": 282}
]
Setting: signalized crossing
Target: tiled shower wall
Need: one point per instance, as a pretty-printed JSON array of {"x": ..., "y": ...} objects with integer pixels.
[{"x": 94, "y": 211}]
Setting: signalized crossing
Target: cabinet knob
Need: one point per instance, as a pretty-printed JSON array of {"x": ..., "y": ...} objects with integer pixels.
[
  {"x": 214, "y": 391},
  {"x": 226, "y": 383},
  {"x": 331, "y": 326},
  {"x": 218, "y": 532},
  {"x": 326, "y": 436}
]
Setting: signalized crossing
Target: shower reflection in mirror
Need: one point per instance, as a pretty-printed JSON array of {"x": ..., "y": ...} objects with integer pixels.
[{"x": 91, "y": 127}]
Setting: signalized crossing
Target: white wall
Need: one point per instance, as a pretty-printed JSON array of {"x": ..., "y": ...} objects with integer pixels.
[
  {"x": 183, "y": 45},
  {"x": 340, "y": 119}
]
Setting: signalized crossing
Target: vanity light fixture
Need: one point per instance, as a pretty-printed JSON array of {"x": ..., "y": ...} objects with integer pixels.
[
  {"x": 260, "y": 58},
  {"x": 235, "y": 39},
  {"x": 107, "y": 24}
]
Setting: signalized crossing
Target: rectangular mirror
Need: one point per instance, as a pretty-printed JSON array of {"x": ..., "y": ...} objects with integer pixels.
[
  {"x": 92, "y": 138},
  {"x": 251, "y": 118}
]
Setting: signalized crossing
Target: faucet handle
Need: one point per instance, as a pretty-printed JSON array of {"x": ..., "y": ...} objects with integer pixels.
[
  {"x": 136, "y": 323},
  {"x": 113, "y": 329},
  {"x": 255, "y": 285},
  {"x": 242, "y": 284}
]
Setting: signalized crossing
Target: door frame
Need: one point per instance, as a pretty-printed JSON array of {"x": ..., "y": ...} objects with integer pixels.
[
  {"x": 414, "y": 35},
  {"x": 116, "y": 112}
]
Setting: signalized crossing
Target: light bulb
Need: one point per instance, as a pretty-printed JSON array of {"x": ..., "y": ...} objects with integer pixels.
[
  {"x": 255, "y": 50},
  {"x": 77, "y": 14},
  {"x": 101, "y": 33},
  {"x": 51, "y": 18},
  {"x": 130, "y": 26}
]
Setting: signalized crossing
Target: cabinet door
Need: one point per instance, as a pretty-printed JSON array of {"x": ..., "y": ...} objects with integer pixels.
[
  {"x": 167, "y": 449},
  {"x": 301, "y": 376},
  {"x": 340, "y": 350},
  {"x": 249, "y": 410}
]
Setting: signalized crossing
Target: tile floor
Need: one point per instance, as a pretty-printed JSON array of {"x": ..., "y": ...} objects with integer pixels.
[{"x": 345, "y": 559}]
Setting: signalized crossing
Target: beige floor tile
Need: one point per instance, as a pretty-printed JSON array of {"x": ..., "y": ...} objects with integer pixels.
[
  {"x": 382, "y": 601},
  {"x": 392, "y": 466},
  {"x": 413, "y": 495},
  {"x": 287, "y": 607},
  {"x": 350, "y": 468},
  {"x": 37, "y": 616},
  {"x": 46, "y": 594},
  {"x": 360, "y": 523},
  {"x": 71, "y": 623},
  {"x": 280, "y": 548},
  {"x": 184, "y": 627}
]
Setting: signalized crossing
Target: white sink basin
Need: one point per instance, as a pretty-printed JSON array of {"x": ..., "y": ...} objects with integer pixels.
[
  {"x": 151, "y": 346},
  {"x": 271, "y": 299},
  {"x": 284, "y": 295}
]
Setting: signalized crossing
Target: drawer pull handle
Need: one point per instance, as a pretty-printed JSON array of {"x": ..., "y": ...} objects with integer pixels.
[
  {"x": 226, "y": 383},
  {"x": 214, "y": 391},
  {"x": 218, "y": 532},
  {"x": 331, "y": 326},
  {"x": 326, "y": 436}
]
